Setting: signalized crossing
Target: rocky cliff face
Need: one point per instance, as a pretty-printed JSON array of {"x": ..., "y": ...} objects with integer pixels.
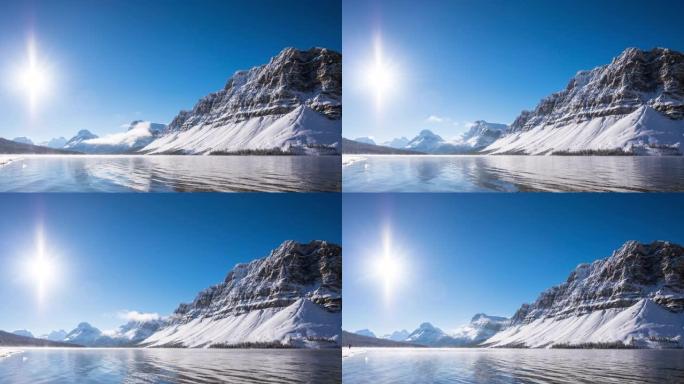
[
  {"x": 634, "y": 272},
  {"x": 635, "y": 297},
  {"x": 292, "y": 296},
  {"x": 633, "y": 79},
  {"x": 293, "y": 80},
  {"x": 635, "y": 105},
  {"x": 292, "y": 271}
]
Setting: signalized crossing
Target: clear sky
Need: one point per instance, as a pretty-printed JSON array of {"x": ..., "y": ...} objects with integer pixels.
[
  {"x": 122, "y": 252},
  {"x": 114, "y": 61},
  {"x": 461, "y": 254},
  {"x": 467, "y": 60}
]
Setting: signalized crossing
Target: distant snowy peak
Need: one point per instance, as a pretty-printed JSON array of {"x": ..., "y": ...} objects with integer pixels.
[
  {"x": 81, "y": 136},
  {"x": 257, "y": 107},
  {"x": 634, "y": 297},
  {"x": 23, "y": 332},
  {"x": 480, "y": 328},
  {"x": 426, "y": 141},
  {"x": 22, "y": 140},
  {"x": 138, "y": 134},
  {"x": 84, "y": 334},
  {"x": 398, "y": 143},
  {"x": 429, "y": 335},
  {"x": 365, "y": 332},
  {"x": 479, "y": 135},
  {"x": 55, "y": 143},
  {"x": 55, "y": 335},
  {"x": 291, "y": 297},
  {"x": 600, "y": 110},
  {"x": 365, "y": 140},
  {"x": 397, "y": 335}
]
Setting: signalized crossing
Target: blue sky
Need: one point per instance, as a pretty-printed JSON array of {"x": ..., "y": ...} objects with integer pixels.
[
  {"x": 148, "y": 253},
  {"x": 467, "y": 253},
  {"x": 114, "y": 61},
  {"x": 469, "y": 60}
]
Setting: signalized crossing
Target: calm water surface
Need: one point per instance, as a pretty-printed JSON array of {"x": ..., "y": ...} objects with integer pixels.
[
  {"x": 82, "y": 365},
  {"x": 421, "y": 173},
  {"x": 493, "y": 366},
  {"x": 125, "y": 173}
]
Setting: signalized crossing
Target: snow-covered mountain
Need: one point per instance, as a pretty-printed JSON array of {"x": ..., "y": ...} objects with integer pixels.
[
  {"x": 23, "y": 140},
  {"x": 635, "y": 105},
  {"x": 55, "y": 335},
  {"x": 479, "y": 135},
  {"x": 429, "y": 335},
  {"x": 86, "y": 335},
  {"x": 365, "y": 140},
  {"x": 292, "y": 104},
  {"x": 480, "y": 328},
  {"x": 397, "y": 335},
  {"x": 398, "y": 142},
  {"x": 23, "y": 332},
  {"x": 82, "y": 135},
  {"x": 365, "y": 332},
  {"x": 128, "y": 334},
  {"x": 55, "y": 143},
  {"x": 427, "y": 141},
  {"x": 290, "y": 297},
  {"x": 137, "y": 135},
  {"x": 634, "y": 297}
]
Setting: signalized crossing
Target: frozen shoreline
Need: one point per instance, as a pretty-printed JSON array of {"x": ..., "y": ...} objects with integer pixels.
[
  {"x": 4, "y": 159},
  {"x": 7, "y": 352}
]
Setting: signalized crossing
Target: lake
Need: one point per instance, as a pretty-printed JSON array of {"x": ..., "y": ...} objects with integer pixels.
[
  {"x": 139, "y": 173},
  {"x": 147, "y": 365},
  {"x": 492, "y": 366},
  {"x": 481, "y": 173}
]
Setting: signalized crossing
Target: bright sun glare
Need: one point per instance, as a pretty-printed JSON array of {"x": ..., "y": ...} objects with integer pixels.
[
  {"x": 388, "y": 266},
  {"x": 381, "y": 76},
  {"x": 33, "y": 78},
  {"x": 41, "y": 268}
]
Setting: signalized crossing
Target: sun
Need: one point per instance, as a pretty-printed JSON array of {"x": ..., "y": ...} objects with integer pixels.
[
  {"x": 41, "y": 269},
  {"x": 33, "y": 78},
  {"x": 381, "y": 76},
  {"x": 388, "y": 267}
]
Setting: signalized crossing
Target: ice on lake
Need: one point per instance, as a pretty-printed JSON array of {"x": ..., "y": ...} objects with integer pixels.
[
  {"x": 130, "y": 173},
  {"x": 427, "y": 173},
  {"x": 178, "y": 366}
]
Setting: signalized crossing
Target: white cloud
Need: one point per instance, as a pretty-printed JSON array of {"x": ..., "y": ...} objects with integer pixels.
[
  {"x": 138, "y": 316},
  {"x": 435, "y": 119}
]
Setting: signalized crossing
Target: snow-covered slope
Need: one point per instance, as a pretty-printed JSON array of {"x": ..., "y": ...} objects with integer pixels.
[
  {"x": 634, "y": 297},
  {"x": 480, "y": 328},
  {"x": 291, "y": 297},
  {"x": 397, "y": 335},
  {"x": 138, "y": 134},
  {"x": 635, "y": 104},
  {"x": 479, "y": 135},
  {"x": 365, "y": 332},
  {"x": 292, "y": 104}
]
